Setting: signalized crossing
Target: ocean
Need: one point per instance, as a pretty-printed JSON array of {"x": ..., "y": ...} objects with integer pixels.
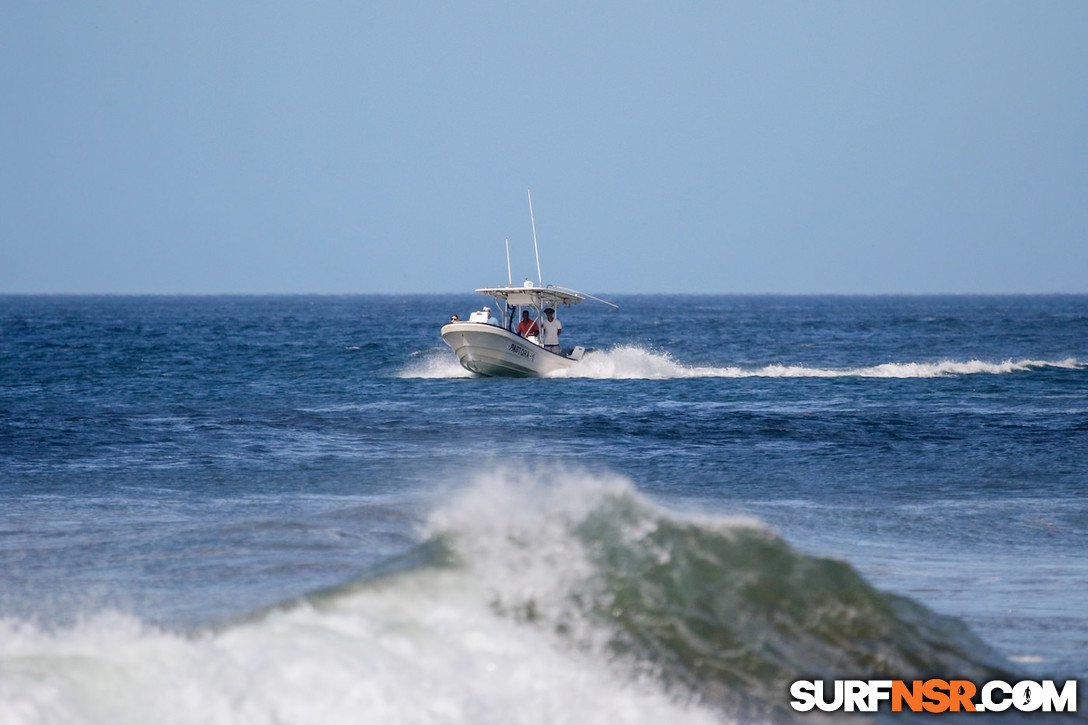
[{"x": 302, "y": 510}]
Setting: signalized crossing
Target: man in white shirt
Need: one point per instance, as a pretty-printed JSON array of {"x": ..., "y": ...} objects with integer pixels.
[{"x": 550, "y": 330}]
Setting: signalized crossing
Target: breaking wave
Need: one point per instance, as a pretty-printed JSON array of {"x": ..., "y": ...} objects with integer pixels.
[
  {"x": 636, "y": 362},
  {"x": 526, "y": 602}
]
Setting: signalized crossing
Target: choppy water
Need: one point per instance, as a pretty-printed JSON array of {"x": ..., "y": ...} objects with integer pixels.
[{"x": 302, "y": 510}]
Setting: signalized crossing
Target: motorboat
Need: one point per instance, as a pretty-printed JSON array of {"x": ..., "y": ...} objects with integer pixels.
[{"x": 488, "y": 343}]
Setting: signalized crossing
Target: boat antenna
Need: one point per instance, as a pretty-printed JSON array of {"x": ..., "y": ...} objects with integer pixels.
[
  {"x": 567, "y": 289},
  {"x": 509, "y": 279},
  {"x": 539, "y": 279}
]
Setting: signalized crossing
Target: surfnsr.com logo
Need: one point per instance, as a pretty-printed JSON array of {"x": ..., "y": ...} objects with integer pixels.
[{"x": 934, "y": 696}]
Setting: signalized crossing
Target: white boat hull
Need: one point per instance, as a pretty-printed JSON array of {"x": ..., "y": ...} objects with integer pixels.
[{"x": 493, "y": 351}]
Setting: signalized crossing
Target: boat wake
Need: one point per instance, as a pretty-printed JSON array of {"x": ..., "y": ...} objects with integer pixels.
[
  {"x": 525, "y": 602},
  {"x": 631, "y": 362},
  {"x": 434, "y": 363}
]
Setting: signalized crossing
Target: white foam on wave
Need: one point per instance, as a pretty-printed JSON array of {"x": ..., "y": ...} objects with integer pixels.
[
  {"x": 631, "y": 362},
  {"x": 425, "y": 646}
]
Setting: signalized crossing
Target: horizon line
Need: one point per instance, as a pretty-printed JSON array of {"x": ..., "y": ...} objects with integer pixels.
[{"x": 614, "y": 294}]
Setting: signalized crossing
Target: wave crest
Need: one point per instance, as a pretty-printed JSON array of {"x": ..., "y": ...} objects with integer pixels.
[{"x": 721, "y": 607}]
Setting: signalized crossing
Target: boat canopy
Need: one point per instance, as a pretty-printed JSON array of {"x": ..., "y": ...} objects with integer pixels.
[{"x": 533, "y": 296}]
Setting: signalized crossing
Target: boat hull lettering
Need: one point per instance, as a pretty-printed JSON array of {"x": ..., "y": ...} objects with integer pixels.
[
  {"x": 519, "y": 350},
  {"x": 492, "y": 351}
]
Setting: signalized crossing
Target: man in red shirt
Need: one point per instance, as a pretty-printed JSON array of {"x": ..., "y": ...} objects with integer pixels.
[{"x": 526, "y": 327}]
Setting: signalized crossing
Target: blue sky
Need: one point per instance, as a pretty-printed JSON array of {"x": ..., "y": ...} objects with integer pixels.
[{"x": 712, "y": 147}]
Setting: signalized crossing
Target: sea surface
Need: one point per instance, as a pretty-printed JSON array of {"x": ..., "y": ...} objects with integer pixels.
[{"x": 302, "y": 510}]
